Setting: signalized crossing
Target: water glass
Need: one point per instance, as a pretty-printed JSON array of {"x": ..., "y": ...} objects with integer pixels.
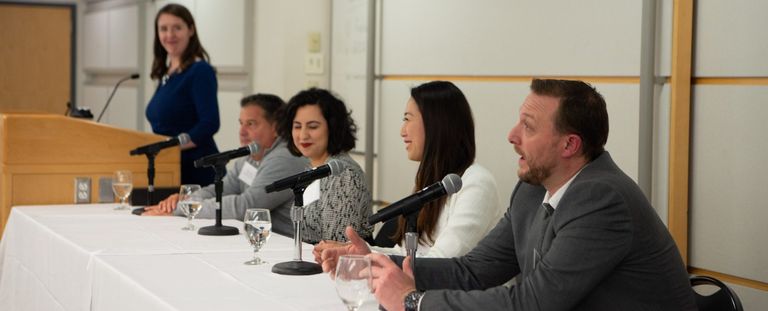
[
  {"x": 189, "y": 204},
  {"x": 353, "y": 280},
  {"x": 257, "y": 226},
  {"x": 122, "y": 184}
]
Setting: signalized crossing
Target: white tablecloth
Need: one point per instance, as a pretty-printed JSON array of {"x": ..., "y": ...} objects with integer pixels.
[{"x": 90, "y": 257}]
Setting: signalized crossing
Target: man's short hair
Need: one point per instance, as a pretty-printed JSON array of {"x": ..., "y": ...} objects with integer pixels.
[
  {"x": 271, "y": 104},
  {"x": 582, "y": 111}
]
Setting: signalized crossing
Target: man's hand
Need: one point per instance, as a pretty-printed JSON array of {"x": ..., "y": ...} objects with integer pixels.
[
  {"x": 389, "y": 284},
  {"x": 317, "y": 251},
  {"x": 168, "y": 205},
  {"x": 154, "y": 210},
  {"x": 330, "y": 256}
]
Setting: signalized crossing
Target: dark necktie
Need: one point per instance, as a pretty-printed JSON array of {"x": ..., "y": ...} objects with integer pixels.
[{"x": 548, "y": 209}]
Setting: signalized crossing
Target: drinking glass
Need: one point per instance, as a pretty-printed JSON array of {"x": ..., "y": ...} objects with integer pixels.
[
  {"x": 189, "y": 204},
  {"x": 258, "y": 226},
  {"x": 122, "y": 184},
  {"x": 353, "y": 280}
]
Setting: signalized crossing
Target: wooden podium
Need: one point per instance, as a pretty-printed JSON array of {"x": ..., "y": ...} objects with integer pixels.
[{"x": 42, "y": 154}]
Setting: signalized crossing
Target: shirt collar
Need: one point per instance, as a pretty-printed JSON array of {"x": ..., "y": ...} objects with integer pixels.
[{"x": 554, "y": 199}]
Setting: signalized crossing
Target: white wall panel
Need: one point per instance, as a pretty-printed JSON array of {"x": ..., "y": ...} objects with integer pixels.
[
  {"x": 727, "y": 208},
  {"x": 96, "y": 42},
  {"x": 349, "y": 55},
  {"x": 229, "y": 112},
  {"x": 221, "y": 30},
  {"x": 501, "y": 37},
  {"x": 751, "y": 299},
  {"x": 189, "y": 4},
  {"x": 730, "y": 38},
  {"x": 123, "y": 38},
  {"x": 94, "y": 97},
  {"x": 282, "y": 28},
  {"x": 623, "y": 115},
  {"x": 122, "y": 111}
]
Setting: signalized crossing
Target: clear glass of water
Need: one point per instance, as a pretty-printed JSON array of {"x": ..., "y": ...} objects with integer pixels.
[
  {"x": 122, "y": 184},
  {"x": 258, "y": 226},
  {"x": 353, "y": 280},
  {"x": 188, "y": 204}
]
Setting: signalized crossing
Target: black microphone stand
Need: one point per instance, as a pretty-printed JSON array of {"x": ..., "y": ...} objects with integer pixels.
[
  {"x": 297, "y": 266},
  {"x": 220, "y": 170},
  {"x": 150, "y": 176}
]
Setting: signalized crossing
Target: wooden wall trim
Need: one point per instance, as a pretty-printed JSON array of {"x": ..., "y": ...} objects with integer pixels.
[
  {"x": 731, "y": 81},
  {"x": 526, "y": 79},
  {"x": 730, "y": 278},
  {"x": 680, "y": 120}
]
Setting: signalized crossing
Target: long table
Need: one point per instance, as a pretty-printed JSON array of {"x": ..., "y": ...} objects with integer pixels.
[{"x": 90, "y": 257}]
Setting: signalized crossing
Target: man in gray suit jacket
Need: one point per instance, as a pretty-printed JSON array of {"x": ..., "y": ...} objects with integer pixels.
[
  {"x": 578, "y": 235},
  {"x": 246, "y": 178}
]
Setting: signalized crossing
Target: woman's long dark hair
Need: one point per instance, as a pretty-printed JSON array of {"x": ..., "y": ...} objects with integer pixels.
[
  {"x": 193, "y": 51},
  {"x": 449, "y": 147}
]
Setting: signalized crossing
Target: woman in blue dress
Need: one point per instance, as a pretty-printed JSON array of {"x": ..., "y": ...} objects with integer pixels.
[{"x": 185, "y": 100}]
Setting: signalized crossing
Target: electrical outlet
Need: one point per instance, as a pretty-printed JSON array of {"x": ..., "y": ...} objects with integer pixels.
[
  {"x": 313, "y": 64},
  {"x": 82, "y": 190}
]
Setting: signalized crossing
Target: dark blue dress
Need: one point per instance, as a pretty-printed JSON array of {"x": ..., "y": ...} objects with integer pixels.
[{"x": 186, "y": 102}]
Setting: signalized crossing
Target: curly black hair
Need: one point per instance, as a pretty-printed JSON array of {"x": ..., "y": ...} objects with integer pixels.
[{"x": 341, "y": 126}]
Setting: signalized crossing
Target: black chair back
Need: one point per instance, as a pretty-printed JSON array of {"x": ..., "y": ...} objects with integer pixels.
[
  {"x": 724, "y": 299},
  {"x": 388, "y": 229}
]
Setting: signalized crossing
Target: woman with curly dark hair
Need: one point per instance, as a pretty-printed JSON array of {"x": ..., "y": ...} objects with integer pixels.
[{"x": 316, "y": 124}]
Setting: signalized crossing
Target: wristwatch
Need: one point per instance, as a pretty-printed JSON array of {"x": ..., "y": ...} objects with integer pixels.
[{"x": 412, "y": 300}]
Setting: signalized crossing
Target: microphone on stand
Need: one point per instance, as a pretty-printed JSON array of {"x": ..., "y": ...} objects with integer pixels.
[
  {"x": 410, "y": 205},
  {"x": 211, "y": 160},
  {"x": 218, "y": 162},
  {"x": 131, "y": 77},
  {"x": 151, "y": 151},
  {"x": 305, "y": 178},
  {"x": 182, "y": 139},
  {"x": 299, "y": 183},
  {"x": 450, "y": 184}
]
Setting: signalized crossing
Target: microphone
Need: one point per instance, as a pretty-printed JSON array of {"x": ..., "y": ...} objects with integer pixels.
[
  {"x": 333, "y": 167},
  {"x": 450, "y": 184},
  {"x": 224, "y": 157},
  {"x": 153, "y": 148},
  {"x": 131, "y": 77}
]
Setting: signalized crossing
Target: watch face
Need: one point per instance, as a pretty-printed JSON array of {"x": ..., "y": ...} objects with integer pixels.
[{"x": 411, "y": 302}]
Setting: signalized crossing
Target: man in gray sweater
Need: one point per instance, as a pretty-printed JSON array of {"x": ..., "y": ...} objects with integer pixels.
[{"x": 245, "y": 180}]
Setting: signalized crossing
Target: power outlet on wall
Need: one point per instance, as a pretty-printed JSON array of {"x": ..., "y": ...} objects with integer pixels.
[
  {"x": 82, "y": 190},
  {"x": 313, "y": 64}
]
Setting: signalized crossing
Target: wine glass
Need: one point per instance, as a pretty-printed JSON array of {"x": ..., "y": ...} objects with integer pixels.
[
  {"x": 353, "y": 280},
  {"x": 189, "y": 204},
  {"x": 122, "y": 184},
  {"x": 258, "y": 226}
]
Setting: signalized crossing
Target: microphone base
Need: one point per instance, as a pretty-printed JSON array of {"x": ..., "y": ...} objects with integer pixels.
[
  {"x": 218, "y": 230},
  {"x": 297, "y": 268}
]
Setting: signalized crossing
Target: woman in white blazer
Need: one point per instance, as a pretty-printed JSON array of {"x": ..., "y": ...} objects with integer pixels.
[{"x": 438, "y": 132}]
